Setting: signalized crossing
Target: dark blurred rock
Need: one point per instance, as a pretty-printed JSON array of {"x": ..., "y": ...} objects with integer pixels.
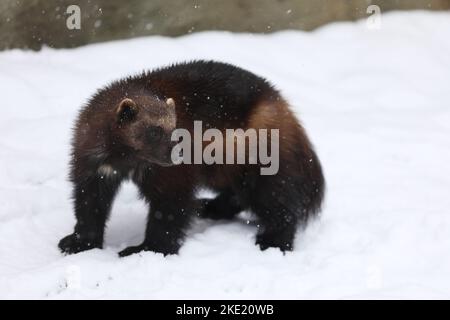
[{"x": 33, "y": 23}]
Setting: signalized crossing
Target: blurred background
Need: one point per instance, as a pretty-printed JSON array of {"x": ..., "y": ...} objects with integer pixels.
[{"x": 31, "y": 24}]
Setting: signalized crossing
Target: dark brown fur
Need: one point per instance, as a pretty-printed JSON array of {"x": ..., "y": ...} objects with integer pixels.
[{"x": 109, "y": 134}]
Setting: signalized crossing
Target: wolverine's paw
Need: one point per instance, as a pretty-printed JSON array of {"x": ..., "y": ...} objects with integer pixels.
[
  {"x": 144, "y": 247},
  {"x": 269, "y": 241},
  {"x": 73, "y": 243}
]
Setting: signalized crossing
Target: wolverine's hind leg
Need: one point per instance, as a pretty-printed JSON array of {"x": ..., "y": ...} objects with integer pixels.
[
  {"x": 275, "y": 206},
  {"x": 225, "y": 206}
]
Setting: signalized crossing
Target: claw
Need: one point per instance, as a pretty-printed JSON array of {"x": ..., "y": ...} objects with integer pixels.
[{"x": 73, "y": 243}]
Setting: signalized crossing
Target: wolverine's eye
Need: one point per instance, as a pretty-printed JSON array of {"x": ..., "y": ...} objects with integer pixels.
[{"x": 154, "y": 133}]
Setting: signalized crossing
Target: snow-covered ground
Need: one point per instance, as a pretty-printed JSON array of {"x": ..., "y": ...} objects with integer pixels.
[{"x": 376, "y": 104}]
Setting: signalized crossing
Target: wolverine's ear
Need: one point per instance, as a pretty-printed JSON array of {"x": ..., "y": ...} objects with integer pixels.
[
  {"x": 171, "y": 103},
  {"x": 126, "y": 110},
  {"x": 172, "y": 111}
]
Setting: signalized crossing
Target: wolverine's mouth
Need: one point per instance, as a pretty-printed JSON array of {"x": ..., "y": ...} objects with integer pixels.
[
  {"x": 165, "y": 164},
  {"x": 157, "y": 161}
]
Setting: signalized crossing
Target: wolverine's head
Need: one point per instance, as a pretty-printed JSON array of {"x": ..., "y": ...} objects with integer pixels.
[{"x": 145, "y": 125}]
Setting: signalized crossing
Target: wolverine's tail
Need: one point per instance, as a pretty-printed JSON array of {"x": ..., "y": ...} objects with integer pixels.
[{"x": 316, "y": 187}]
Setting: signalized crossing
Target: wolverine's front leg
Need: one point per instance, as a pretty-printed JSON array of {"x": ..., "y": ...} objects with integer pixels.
[
  {"x": 166, "y": 226},
  {"x": 93, "y": 197},
  {"x": 172, "y": 206}
]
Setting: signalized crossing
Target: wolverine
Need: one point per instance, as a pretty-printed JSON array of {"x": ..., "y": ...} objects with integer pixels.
[{"x": 125, "y": 131}]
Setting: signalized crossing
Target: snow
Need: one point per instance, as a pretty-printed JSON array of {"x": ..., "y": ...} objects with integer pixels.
[{"x": 376, "y": 104}]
